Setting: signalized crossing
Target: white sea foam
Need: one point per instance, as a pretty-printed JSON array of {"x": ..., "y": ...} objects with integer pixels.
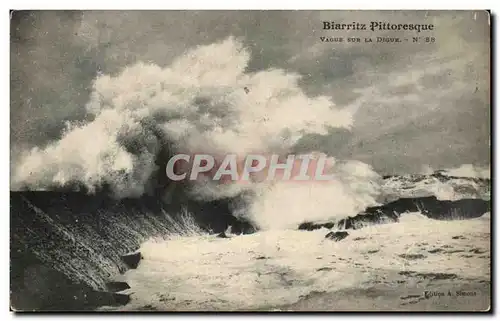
[
  {"x": 273, "y": 268},
  {"x": 204, "y": 102}
]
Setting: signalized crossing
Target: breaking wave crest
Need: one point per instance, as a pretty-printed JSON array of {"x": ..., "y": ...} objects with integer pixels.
[{"x": 205, "y": 101}]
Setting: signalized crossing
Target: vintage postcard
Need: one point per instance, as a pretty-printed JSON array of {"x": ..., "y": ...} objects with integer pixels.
[{"x": 250, "y": 161}]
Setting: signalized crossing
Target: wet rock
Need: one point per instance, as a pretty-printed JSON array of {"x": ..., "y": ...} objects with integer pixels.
[
  {"x": 309, "y": 226},
  {"x": 132, "y": 260},
  {"x": 222, "y": 235},
  {"x": 336, "y": 236},
  {"x": 116, "y": 286},
  {"x": 430, "y": 206},
  {"x": 239, "y": 227}
]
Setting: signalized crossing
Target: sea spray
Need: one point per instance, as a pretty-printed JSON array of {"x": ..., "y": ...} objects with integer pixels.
[{"x": 204, "y": 102}]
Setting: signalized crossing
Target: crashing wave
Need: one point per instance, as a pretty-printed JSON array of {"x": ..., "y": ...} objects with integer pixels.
[{"x": 444, "y": 187}]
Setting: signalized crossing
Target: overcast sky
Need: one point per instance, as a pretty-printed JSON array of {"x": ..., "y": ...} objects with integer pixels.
[{"x": 414, "y": 104}]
